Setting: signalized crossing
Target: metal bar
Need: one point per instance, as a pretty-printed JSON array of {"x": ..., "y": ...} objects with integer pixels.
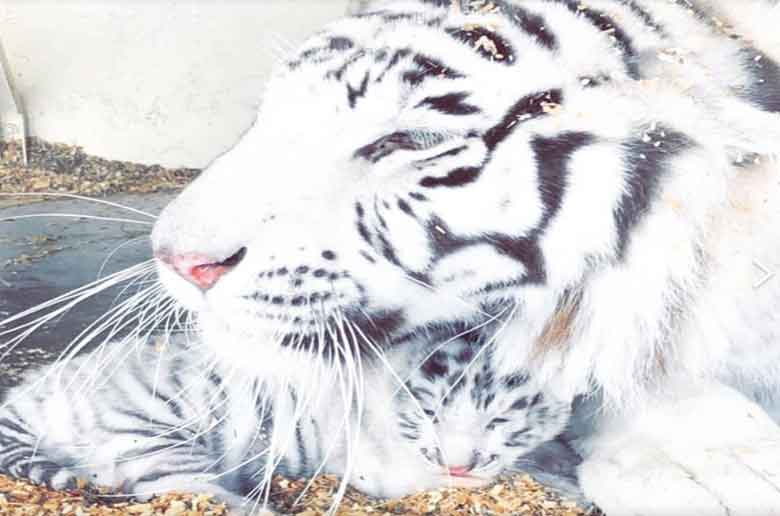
[{"x": 13, "y": 122}]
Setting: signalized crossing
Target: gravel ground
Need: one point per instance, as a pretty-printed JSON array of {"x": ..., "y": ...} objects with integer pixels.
[
  {"x": 517, "y": 495},
  {"x": 55, "y": 167}
]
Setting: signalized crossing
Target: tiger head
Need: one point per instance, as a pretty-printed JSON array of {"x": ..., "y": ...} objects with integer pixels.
[{"x": 412, "y": 167}]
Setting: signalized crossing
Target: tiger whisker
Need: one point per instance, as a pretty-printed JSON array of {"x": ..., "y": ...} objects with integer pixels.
[
  {"x": 116, "y": 250},
  {"x": 454, "y": 338},
  {"x": 81, "y": 198},
  {"x": 100, "y": 370},
  {"x": 484, "y": 348},
  {"x": 79, "y": 294},
  {"x": 430, "y": 287},
  {"x": 402, "y": 383},
  {"x": 113, "y": 316},
  {"x": 171, "y": 430},
  {"x": 59, "y": 363},
  {"x": 74, "y": 216}
]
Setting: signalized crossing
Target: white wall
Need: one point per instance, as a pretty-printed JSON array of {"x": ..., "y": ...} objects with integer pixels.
[{"x": 156, "y": 81}]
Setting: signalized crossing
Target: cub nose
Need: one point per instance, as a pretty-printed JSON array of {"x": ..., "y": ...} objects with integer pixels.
[
  {"x": 459, "y": 471},
  {"x": 201, "y": 270}
]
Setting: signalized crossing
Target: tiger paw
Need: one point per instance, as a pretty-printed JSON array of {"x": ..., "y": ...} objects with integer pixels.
[{"x": 710, "y": 454}]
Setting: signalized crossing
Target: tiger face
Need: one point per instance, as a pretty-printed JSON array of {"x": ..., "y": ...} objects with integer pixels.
[
  {"x": 418, "y": 165},
  {"x": 470, "y": 424}
]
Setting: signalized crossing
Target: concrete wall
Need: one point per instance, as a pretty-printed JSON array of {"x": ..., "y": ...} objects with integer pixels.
[{"x": 163, "y": 81}]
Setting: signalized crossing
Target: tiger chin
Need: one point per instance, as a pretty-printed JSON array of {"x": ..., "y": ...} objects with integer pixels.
[{"x": 588, "y": 185}]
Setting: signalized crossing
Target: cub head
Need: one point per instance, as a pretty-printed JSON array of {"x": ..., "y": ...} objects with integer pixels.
[{"x": 470, "y": 423}]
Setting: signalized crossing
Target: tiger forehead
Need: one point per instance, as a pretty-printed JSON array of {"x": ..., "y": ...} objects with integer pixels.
[{"x": 479, "y": 31}]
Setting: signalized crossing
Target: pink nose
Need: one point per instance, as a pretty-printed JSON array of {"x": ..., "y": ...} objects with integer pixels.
[
  {"x": 458, "y": 471},
  {"x": 201, "y": 270}
]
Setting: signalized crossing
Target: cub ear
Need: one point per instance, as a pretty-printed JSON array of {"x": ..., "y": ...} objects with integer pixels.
[{"x": 436, "y": 366}]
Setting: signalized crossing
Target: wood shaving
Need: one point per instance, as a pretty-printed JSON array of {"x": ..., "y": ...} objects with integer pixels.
[
  {"x": 55, "y": 167},
  {"x": 516, "y": 495},
  {"x": 19, "y": 498}
]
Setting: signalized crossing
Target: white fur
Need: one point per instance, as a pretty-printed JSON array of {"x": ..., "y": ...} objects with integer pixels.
[{"x": 681, "y": 303}]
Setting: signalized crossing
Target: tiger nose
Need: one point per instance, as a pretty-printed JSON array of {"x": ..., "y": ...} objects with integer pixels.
[{"x": 201, "y": 270}]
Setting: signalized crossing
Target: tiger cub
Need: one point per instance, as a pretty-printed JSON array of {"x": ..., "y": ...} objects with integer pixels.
[{"x": 455, "y": 422}]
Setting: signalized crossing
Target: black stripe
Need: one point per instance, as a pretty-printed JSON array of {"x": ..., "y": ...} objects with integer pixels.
[
  {"x": 527, "y": 108},
  {"x": 387, "y": 250},
  {"x": 13, "y": 425},
  {"x": 515, "y": 380},
  {"x": 444, "y": 242},
  {"x": 378, "y": 215},
  {"x": 473, "y": 36},
  {"x": 336, "y": 43},
  {"x": 354, "y": 94},
  {"x": 427, "y": 67},
  {"x": 517, "y": 438},
  {"x": 459, "y": 177},
  {"x": 525, "y": 250},
  {"x": 302, "y": 451},
  {"x": 764, "y": 90},
  {"x": 404, "y": 207},
  {"x": 646, "y": 163},
  {"x": 398, "y": 55},
  {"x": 323, "y": 53},
  {"x": 450, "y": 104},
  {"x": 605, "y": 24},
  {"x": 435, "y": 367},
  {"x": 340, "y": 43},
  {"x": 532, "y": 24},
  {"x": 445, "y": 154},
  {"x": 338, "y": 73},
  {"x": 386, "y": 145},
  {"x": 552, "y": 158},
  {"x": 643, "y": 15}
]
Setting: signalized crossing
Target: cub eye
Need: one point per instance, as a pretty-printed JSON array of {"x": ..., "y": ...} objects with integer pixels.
[
  {"x": 495, "y": 422},
  {"x": 432, "y": 415}
]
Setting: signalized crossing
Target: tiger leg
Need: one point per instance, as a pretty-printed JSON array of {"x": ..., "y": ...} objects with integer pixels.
[
  {"x": 22, "y": 456},
  {"x": 710, "y": 452}
]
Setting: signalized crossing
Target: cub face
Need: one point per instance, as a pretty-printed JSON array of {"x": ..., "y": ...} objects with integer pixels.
[{"x": 471, "y": 423}]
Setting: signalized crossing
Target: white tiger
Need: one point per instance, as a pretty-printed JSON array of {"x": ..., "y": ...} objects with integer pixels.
[{"x": 589, "y": 182}]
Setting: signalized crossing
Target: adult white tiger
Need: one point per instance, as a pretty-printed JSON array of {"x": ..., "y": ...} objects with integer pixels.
[
  {"x": 572, "y": 176},
  {"x": 579, "y": 170}
]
